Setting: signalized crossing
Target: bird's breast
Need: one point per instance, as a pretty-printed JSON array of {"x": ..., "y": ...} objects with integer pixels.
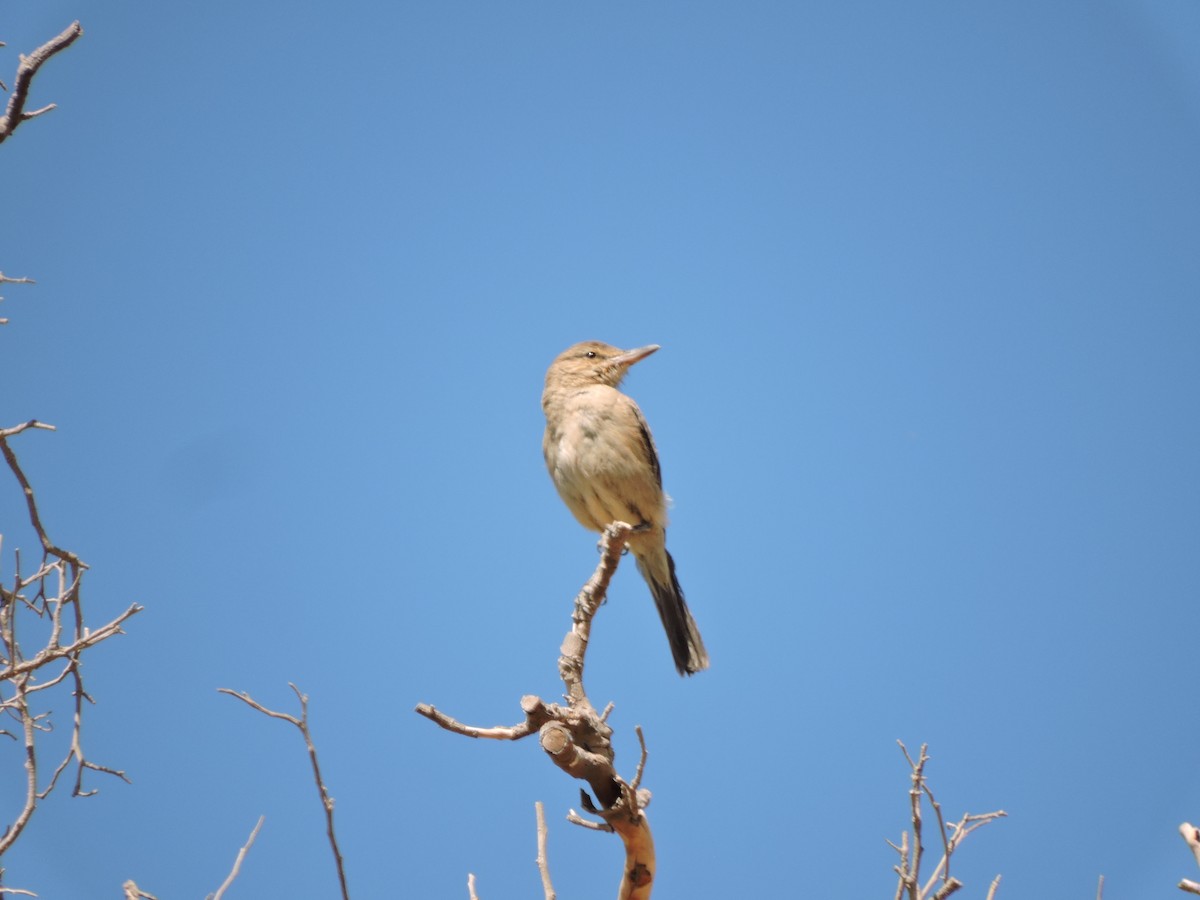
[{"x": 597, "y": 458}]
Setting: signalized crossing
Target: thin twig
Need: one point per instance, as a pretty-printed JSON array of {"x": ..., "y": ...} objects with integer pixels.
[
  {"x": 914, "y": 792},
  {"x": 237, "y": 863},
  {"x": 641, "y": 766},
  {"x": 543, "y": 859},
  {"x": 576, "y": 819},
  {"x": 28, "y": 730},
  {"x": 498, "y": 732},
  {"x": 909, "y": 867},
  {"x": 56, "y": 589},
  {"x": 943, "y": 866},
  {"x": 326, "y": 800},
  {"x": 35, "y": 518},
  {"x": 52, "y": 653},
  {"x": 5, "y": 891},
  {"x": 901, "y": 868}
]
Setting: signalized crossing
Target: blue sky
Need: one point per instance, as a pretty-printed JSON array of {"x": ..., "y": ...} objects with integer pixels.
[{"x": 926, "y": 281}]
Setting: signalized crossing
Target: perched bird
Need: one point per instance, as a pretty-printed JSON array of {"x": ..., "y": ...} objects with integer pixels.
[{"x": 602, "y": 458}]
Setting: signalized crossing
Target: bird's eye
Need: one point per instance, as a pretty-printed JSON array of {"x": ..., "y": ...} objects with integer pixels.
[{"x": 591, "y": 354}]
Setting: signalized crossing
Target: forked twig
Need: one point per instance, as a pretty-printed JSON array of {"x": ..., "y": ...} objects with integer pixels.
[
  {"x": 50, "y": 600},
  {"x": 326, "y": 801},
  {"x": 952, "y": 835}
]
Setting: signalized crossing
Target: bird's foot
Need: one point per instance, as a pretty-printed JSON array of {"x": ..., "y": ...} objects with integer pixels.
[{"x": 600, "y": 547}]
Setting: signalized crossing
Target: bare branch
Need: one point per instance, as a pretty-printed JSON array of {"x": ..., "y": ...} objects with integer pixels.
[
  {"x": 471, "y": 886},
  {"x": 576, "y": 819},
  {"x": 943, "y": 867},
  {"x": 56, "y": 592},
  {"x": 35, "y": 518},
  {"x": 641, "y": 766},
  {"x": 326, "y": 800},
  {"x": 543, "y": 860},
  {"x": 52, "y": 653},
  {"x": 25, "y": 426},
  {"x": 587, "y": 603},
  {"x": 237, "y": 863},
  {"x": 15, "y": 114},
  {"x": 578, "y": 739},
  {"x": 908, "y": 869},
  {"x": 497, "y": 732},
  {"x": 29, "y": 734}
]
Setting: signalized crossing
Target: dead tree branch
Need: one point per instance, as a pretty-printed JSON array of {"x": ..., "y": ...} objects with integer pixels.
[
  {"x": 579, "y": 741},
  {"x": 326, "y": 800},
  {"x": 940, "y": 883},
  {"x": 543, "y": 859},
  {"x": 237, "y": 863},
  {"x": 45, "y": 607},
  {"x": 16, "y": 113}
]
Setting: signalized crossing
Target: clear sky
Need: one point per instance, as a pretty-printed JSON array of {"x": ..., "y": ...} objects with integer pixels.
[{"x": 926, "y": 276}]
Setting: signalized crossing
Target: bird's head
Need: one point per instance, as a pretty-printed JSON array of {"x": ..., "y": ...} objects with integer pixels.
[{"x": 593, "y": 362}]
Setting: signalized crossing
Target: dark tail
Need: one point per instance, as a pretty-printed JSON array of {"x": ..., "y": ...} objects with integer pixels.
[{"x": 687, "y": 648}]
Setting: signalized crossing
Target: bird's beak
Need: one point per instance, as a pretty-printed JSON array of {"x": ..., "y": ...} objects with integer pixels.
[{"x": 629, "y": 357}]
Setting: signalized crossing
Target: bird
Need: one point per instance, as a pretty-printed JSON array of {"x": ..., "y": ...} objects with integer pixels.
[{"x": 603, "y": 461}]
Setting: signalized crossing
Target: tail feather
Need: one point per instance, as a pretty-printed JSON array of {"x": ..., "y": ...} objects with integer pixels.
[{"x": 687, "y": 647}]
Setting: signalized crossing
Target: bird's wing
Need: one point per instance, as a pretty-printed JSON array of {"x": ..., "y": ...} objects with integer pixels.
[{"x": 648, "y": 444}]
